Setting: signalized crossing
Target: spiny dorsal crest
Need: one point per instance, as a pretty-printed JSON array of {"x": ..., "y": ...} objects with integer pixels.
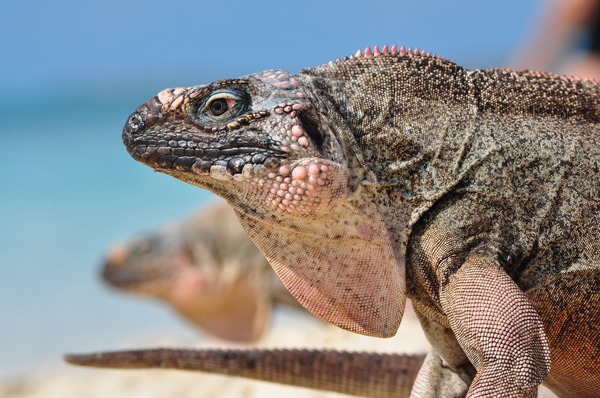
[
  {"x": 394, "y": 50},
  {"x": 389, "y": 51}
]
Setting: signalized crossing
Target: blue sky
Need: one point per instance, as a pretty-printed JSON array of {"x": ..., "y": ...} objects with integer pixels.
[{"x": 49, "y": 45}]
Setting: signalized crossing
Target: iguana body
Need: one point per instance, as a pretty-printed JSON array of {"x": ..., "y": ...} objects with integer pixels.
[
  {"x": 206, "y": 268},
  {"x": 475, "y": 193}
]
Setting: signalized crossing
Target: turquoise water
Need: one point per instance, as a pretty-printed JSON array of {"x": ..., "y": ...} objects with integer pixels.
[{"x": 68, "y": 190}]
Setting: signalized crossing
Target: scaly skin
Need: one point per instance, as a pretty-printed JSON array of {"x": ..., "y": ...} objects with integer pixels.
[
  {"x": 353, "y": 373},
  {"x": 475, "y": 193},
  {"x": 207, "y": 269}
]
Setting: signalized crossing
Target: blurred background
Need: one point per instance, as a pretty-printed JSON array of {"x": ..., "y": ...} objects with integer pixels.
[{"x": 72, "y": 71}]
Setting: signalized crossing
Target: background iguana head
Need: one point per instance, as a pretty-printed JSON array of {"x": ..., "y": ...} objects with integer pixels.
[
  {"x": 206, "y": 268},
  {"x": 277, "y": 152}
]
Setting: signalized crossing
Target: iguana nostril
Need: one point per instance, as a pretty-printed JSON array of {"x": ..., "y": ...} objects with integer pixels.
[
  {"x": 135, "y": 123},
  {"x": 143, "y": 117}
]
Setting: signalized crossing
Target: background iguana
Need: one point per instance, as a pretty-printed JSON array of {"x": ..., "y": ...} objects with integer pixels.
[
  {"x": 207, "y": 269},
  {"x": 394, "y": 173}
]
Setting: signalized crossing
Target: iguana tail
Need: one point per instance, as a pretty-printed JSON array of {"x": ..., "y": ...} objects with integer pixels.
[{"x": 353, "y": 373}]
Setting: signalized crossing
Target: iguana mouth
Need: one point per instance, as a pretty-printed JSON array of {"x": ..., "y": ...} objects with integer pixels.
[
  {"x": 123, "y": 279},
  {"x": 184, "y": 155},
  {"x": 198, "y": 152}
]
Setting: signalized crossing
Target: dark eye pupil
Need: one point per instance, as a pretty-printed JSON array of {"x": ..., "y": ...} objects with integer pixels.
[{"x": 218, "y": 106}]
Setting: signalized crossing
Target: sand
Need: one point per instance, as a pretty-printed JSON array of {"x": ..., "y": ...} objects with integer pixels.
[{"x": 291, "y": 328}]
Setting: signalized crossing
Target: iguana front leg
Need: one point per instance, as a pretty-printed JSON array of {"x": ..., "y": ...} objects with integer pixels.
[{"x": 497, "y": 328}]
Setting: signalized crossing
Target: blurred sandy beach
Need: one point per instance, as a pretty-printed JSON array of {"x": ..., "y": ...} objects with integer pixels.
[{"x": 291, "y": 328}]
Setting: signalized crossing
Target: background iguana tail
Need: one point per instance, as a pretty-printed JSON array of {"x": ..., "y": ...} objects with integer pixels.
[{"x": 354, "y": 373}]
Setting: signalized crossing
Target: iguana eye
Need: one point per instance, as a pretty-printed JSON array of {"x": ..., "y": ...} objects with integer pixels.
[
  {"x": 219, "y": 106},
  {"x": 223, "y": 105}
]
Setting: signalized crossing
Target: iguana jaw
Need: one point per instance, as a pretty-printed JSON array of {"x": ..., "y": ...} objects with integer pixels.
[{"x": 188, "y": 149}]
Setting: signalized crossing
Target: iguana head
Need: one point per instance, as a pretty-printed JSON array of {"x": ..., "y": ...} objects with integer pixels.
[
  {"x": 257, "y": 140},
  {"x": 260, "y": 143}
]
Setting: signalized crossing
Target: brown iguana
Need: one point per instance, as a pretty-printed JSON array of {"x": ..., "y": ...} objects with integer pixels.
[
  {"x": 398, "y": 173},
  {"x": 206, "y": 268}
]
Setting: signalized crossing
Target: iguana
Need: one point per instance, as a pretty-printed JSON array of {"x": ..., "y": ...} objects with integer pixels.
[
  {"x": 206, "y": 268},
  {"x": 397, "y": 173}
]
